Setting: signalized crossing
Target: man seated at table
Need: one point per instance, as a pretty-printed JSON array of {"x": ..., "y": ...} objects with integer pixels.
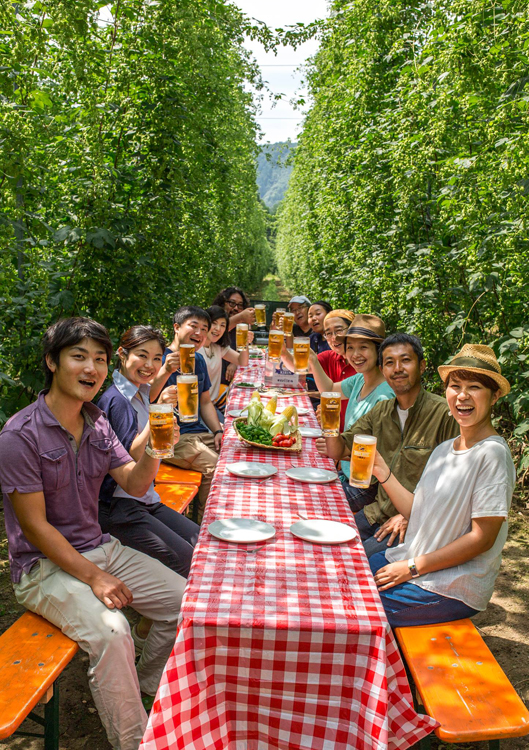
[
  {"x": 300, "y": 306},
  {"x": 407, "y": 429},
  {"x": 54, "y": 455},
  {"x": 200, "y": 440}
]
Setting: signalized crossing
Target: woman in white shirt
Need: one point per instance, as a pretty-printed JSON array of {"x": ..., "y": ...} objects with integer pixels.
[{"x": 446, "y": 568}]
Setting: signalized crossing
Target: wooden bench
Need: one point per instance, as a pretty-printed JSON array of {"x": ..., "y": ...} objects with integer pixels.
[
  {"x": 33, "y": 653},
  {"x": 168, "y": 474},
  {"x": 461, "y": 684},
  {"x": 176, "y": 496}
]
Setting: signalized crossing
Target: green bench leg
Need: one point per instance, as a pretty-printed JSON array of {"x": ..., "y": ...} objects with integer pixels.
[
  {"x": 494, "y": 745},
  {"x": 51, "y": 719}
]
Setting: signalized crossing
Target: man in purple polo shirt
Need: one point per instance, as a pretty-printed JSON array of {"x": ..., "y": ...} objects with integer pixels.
[{"x": 54, "y": 456}]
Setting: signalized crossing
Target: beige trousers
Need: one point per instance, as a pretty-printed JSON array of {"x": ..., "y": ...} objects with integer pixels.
[
  {"x": 104, "y": 634},
  {"x": 196, "y": 451}
]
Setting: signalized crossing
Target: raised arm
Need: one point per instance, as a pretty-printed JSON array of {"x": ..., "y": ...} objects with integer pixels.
[
  {"x": 323, "y": 381},
  {"x": 245, "y": 316},
  {"x": 171, "y": 364}
]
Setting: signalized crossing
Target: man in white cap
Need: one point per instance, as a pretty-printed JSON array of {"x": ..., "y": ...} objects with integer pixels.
[{"x": 300, "y": 307}]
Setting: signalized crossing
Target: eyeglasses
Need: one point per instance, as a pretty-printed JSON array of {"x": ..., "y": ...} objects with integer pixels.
[
  {"x": 233, "y": 304},
  {"x": 333, "y": 334}
]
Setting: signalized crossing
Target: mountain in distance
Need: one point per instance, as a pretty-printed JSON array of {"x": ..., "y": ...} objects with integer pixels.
[{"x": 273, "y": 173}]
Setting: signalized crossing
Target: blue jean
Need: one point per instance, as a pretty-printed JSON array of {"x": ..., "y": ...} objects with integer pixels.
[
  {"x": 358, "y": 497},
  {"x": 367, "y": 531},
  {"x": 409, "y": 604}
]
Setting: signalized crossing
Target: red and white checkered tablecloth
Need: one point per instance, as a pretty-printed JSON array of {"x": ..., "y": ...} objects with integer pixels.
[{"x": 288, "y": 648}]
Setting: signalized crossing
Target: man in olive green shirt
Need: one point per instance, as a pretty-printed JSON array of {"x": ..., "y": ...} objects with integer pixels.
[{"x": 407, "y": 429}]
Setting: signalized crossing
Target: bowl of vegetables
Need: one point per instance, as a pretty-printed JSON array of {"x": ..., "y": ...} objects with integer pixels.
[{"x": 262, "y": 428}]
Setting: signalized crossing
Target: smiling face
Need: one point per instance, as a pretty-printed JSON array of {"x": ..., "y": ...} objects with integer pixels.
[
  {"x": 401, "y": 368},
  {"x": 217, "y": 330},
  {"x": 316, "y": 315},
  {"x": 361, "y": 354},
  {"x": 234, "y": 304},
  {"x": 192, "y": 331},
  {"x": 301, "y": 315},
  {"x": 470, "y": 402},
  {"x": 81, "y": 371},
  {"x": 333, "y": 329},
  {"x": 142, "y": 362}
]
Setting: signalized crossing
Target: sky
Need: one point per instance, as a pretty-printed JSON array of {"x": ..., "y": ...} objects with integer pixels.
[{"x": 281, "y": 71}]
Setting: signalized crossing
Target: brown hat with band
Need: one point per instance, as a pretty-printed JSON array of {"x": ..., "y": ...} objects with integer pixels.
[
  {"x": 367, "y": 327},
  {"x": 477, "y": 358}
]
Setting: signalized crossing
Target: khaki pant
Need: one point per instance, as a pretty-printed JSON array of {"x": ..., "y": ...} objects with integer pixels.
[
  {"x": 104, "y": 634},
  {"x": 196, "y": 451}
]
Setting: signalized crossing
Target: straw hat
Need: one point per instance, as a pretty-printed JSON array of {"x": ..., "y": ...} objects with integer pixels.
[
  {"x": 477, "y": 358},
  {"x": 367, "y": 327},
  {"x": 346, "y": 314}
]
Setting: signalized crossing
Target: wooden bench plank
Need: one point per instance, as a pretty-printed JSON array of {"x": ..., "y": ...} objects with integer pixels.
[
  {"x": 33, "y": 653},
  {"x": 173, "y": 475},
  {"x": 177, "y": 496},
  {"x": 461, "y": 683}
]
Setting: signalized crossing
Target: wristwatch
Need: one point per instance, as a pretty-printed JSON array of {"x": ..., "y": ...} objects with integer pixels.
[
  {"x": 218, "y": 432},
  {"x": 412, "y": 568}
]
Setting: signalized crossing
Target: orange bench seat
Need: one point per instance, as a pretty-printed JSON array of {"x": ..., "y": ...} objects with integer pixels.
[
  {"x": 461, "y": 684},
  {"x": 177, "y": 496},
  {"x": 168, "y": 474}
]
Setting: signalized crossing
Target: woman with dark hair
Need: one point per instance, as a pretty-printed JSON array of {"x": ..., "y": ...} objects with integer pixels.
[
  {"x": 216, "y": 350},
  {"x": 143, "y": 523},
  {"x": 447, "y": 565},
  {"x": 317, "y": 312}
]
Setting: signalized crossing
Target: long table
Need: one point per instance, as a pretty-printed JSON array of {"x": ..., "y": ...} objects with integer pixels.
[{"x": 287, "y": 648}]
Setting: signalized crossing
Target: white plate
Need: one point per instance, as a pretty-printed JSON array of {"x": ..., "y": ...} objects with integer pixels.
[
  {"x": 241, "y": 530},
  {"x": 234, "y": 413},
  {"x": 251, "y": 469},
  {"x": 310, "y": 432},
  {"x": 321, "y": 531},
  {"x": 308, "y": 474}
]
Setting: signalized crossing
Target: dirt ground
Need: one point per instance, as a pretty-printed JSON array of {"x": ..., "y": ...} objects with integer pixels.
[{"x": 504, "y": 625}]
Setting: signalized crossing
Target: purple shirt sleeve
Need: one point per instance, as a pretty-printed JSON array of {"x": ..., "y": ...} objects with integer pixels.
[
  {"x": 119, "y": 455},
  {"x": 19, "y": 464}
]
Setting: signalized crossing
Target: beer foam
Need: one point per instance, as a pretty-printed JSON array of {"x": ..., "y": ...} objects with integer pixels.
[
  {"x": 161, "y": 408},
  {"x": 187, "y": 378},
  {"x": 365, "y": 439},
  {"x": 331, "y": 394}
]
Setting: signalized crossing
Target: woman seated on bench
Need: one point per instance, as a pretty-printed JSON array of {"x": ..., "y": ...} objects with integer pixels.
[{"x": 446, "y": 568}]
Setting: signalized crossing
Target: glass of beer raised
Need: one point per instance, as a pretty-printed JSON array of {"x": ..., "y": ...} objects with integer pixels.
[
  {"x": 161, "y": 420},
  {"x": 288, "y": 323},
  {"x": 187, "y": 358},
  {"x": 187, "y": 387},
  {"x": 330, "y": 413},
  {"x": 301, "y": 354},
  {"x": 362, "y": 460},
  {"x": 260, "y": 315},
  {"x": 275, "y": 344},
  {"x": 241, "y": 336}
]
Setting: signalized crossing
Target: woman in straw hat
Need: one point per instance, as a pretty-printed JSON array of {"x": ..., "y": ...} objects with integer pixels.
[{"x": 446, "y": 567}]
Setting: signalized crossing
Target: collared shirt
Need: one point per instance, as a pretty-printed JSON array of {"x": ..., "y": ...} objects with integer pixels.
[
  {"x": 38, "y": 455},
  {"x": 429, "y": 424},
  {"x": 204, "y": 384},
  {"x": 141, "y": 406}
]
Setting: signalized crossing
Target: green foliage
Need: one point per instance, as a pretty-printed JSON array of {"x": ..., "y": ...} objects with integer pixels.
[
  {"x": 274, "y": 167},
  {"x": 409, "y": 195},
  {"x": 127, "y": 167}
]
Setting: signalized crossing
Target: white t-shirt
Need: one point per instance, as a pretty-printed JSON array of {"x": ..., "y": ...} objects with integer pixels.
[
  {"x": 403, "y": 416},
  {"x": 455, "y": 487},
  {"x": 213, "y": 355}
]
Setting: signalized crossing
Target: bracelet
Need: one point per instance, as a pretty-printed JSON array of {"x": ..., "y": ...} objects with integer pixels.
[
  {"x": 413, "y": 568},
  {"x": 386, "y": 479},
  {"x": 217, "y": 432}
]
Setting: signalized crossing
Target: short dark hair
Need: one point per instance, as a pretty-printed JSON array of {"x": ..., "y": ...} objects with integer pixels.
[
  {"x": 321, "y": 303},
  {"x": 191, "y": 311},
  {"x": 401, "y": 338},
  {"x": 216, "y": 312},
  {"x": 480, "y": 377},
  {"x": 223, "y": 296},
  {"x": 69, "y": 332},
  {"x": 138, "y": 335}
]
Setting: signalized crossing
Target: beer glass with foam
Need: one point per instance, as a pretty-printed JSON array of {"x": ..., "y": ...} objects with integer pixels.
[
  {"x": 362, "y": 460},
  {"x": 241, "y": 336},
  {"x": 187, "y": 358},
  {"x": 301, "y": 354},
  {"x": 330, "y": 413},
  {"x": 161, "y": 420},
  {"x": 288, "y": 323},
  {"x": 187, "y": 387},
  {"x": 260, "y": 315},
  {"x": 275, "y": 344}
]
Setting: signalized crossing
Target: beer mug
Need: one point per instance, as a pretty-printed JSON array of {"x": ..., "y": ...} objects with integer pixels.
[
  {"x": 288, "y": 323},
  {"x": 275, "y": 344},
  {"x": 161, "y": 420},
  {"x": 330, "y": 413},
  {"x": 187, "y": 387},
  {"x": 187, "y": 358},
  {"x": 362, "y": 460},
  {"x": 301, "y": 354},
  {"x": 241, "y": 335},
  {"x": 260, "y": 315}
]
